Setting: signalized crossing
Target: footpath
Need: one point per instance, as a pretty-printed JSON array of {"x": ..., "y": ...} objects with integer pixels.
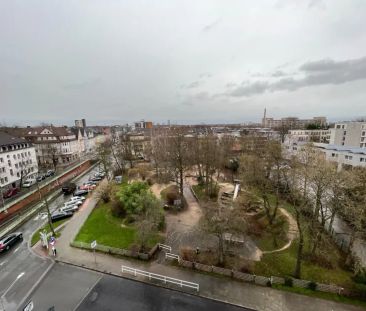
[{"x": 219, "y": 288}]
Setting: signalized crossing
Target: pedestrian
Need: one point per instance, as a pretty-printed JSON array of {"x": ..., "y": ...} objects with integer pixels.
[{"x": 54, "y": 252}]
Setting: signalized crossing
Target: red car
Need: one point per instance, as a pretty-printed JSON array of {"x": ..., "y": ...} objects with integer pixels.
[
  {"x": 10, "y": 192},
  {"x": 87, "y": 187}
]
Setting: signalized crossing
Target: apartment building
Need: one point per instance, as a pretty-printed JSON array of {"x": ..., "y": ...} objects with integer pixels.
[
  {"x": 18, "y": 161},
  {"x": 349, "y": 134},
  {"x": 292, "y": 122},
  {"x": 54, "y": 145}
]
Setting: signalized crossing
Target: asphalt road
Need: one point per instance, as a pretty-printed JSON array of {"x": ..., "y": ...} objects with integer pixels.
[
  {"x": 20, "y": 261},
  {"x": 63, "y": 288},
  {"x": 114, "y": 293}
]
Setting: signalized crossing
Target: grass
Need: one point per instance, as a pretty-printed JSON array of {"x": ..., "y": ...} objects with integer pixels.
[
  {"x": 36, "y": 236},
  {"x": 109, "y": 230},
  {"x": 272, "y": 236},
  {"x": 322, "y": 295}
]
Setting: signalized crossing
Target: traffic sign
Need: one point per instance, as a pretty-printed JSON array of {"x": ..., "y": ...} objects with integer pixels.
[{"x": 93, "y": 244}]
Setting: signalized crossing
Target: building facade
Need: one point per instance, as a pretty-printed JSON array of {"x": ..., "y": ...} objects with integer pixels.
[
  {"x": 18, "y": 161},
  {"x": 349, "y": 134}
]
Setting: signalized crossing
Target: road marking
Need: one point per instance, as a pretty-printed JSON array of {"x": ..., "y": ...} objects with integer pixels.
[
  {"x": 3, "y": 263},
  {"x": 16, "y": 249}
]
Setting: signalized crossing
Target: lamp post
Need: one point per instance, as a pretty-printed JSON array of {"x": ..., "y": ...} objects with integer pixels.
[{"x": 8, "y": 289}]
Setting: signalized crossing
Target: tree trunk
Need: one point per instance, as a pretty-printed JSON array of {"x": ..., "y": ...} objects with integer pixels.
[
  {"x": 221, "y": 249},
  {"x": 300, "y": 248}
]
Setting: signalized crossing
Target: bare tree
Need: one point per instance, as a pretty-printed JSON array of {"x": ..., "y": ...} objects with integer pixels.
[
  {"x": 178, "y": 156},
  {"x": 223, "y": 222},
  {"x": 103, "y": 153},
  {"x": 261, "y": 171}
]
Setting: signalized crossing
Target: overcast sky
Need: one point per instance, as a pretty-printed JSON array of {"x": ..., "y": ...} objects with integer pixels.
[{"x": 186, "y": 61}]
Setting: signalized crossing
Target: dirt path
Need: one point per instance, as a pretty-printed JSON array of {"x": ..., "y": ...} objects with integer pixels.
[{"x": 291, "y": 234}]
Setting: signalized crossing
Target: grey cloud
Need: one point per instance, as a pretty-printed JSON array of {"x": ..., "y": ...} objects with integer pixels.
[
  {"x": 250, "y": 89},
  {"x": 279, "y": 73},
  {"x": 193, "y": 85},
  {"x": 315, "y": 73},
  {"x": 212, "y": 25}
]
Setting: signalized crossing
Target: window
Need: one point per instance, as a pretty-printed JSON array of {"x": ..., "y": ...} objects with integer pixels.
[
  {"x": 363, "y": 133},
  {"x": 362, "y": 159},
  {"x": 2, "y": 180},
  {"x": 29, "y": 153},
  {"x": 18, "y": 175},
  {"x": 18, "y": 156},
  {"x": 14, "y": 156},
  {"x": 16, "y": 165},
  {"x": 11, "y": 172},
  {"x": 1, "y": 160},
  {"x": 6, "y": 179},
  {"x": 9, "y": 163}
]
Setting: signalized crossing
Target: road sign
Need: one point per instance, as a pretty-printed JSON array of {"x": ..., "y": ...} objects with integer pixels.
[
  {"x": 93, "y": 244},
  {"x": 29, "y": 306}
]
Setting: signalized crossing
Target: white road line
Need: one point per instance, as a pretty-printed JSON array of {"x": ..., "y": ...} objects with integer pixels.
[
  {"x": 16, "y": 249},
  {"x": 3, "y": 263}
]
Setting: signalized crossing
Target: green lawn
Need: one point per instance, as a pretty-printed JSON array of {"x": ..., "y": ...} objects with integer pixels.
[
  {"x": 322, "y": 295},
  {"x": 109, "y": 230},
  {"x": 36, "y": 236}
]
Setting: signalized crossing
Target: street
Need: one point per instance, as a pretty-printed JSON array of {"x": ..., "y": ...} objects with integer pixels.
[
  {"x": 95, "y": 291},
  {"x": 21, "y": 260}
]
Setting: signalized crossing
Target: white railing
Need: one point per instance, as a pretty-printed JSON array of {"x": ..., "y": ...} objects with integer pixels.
[
  {"x": 165, "y": 279},
  {"x": 171, "y": 256},
  {"x": 165, "y": 247}
]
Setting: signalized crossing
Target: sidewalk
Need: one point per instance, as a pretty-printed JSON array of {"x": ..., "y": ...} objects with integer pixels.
[{"x": 220, "y": 288}]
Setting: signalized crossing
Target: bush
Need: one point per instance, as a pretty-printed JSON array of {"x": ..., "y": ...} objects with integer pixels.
[
  {"x": 360, "y": 277},
  {"x": 312, "y": 285},
  {"x": 289, "y": 282},
  {"x": 117, "y": 208}
]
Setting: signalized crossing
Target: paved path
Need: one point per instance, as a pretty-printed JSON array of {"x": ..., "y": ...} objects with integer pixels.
[{"x": 243, "y": 294}]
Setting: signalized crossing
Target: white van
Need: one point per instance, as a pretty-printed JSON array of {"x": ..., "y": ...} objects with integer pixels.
[{"x": 29, "y": 183}]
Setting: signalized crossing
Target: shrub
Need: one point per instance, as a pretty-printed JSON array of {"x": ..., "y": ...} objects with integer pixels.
[
  {"x": 312, "y": 285},
  {"x": 187, "y": 254},
  {"x": 360, "y": 277},
  {"x": 117, "y": 208},
  {"x": 289, "y": 282}
]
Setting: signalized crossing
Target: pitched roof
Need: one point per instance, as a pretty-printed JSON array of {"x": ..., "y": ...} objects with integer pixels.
[{"x": 6, "y": 139}]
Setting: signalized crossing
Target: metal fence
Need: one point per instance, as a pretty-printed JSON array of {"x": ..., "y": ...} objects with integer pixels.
[
  {"x": 165, "y": 247},
  {"x": 159, "y": 277}
]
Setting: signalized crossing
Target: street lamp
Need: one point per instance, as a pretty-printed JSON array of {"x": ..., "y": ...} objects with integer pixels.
[{"x": 8, "y": 289}]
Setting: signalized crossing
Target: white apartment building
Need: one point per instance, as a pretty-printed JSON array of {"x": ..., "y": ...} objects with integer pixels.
[
  {"x": 349, "y": 134},
  {"x": 342, "y": 155},
  {"x": 18, "y": 161}
]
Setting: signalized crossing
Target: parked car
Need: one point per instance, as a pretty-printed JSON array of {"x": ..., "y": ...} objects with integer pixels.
[
  {"x": 50, "y": 173},
  {"x": 69, "y": 209},
  {"x": 40, "y": 178},
  {"x": 60, "y": 215},
  {"x": 99, "y": 174},
  {"x": 96, "y": 178},
  {"x": 29, "y": 183},
  {"x": 10, "y": 192},
  {"x": 90, "y": 183},
  {"x": 87, "y": 187},
  {"x": 78, "y": 198},
  {"x": 68, "y": 188},
  {"x": 10, "y": 240},
  {"x": 81, "y": 192},
  {"x": 70, "y": 203}
]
